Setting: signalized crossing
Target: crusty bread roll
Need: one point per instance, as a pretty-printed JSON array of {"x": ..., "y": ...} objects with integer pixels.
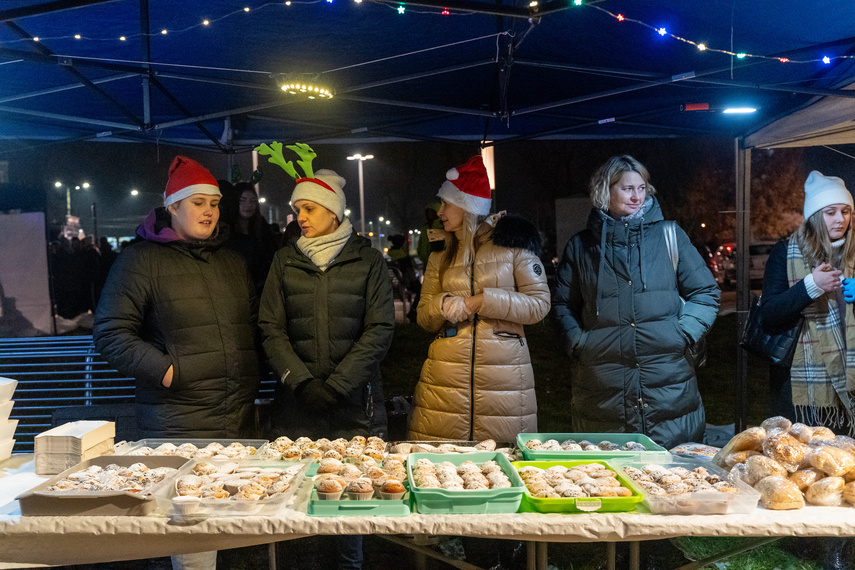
[
  {"x": 760, "y": 467},
  {"x": 776, "y": 422},
  {"x": 801, "y": 432},
  {"x": 779, "y": 494},
  {"x": 785, "y": 449},
  {"x": 739, "y": 457},
  {"x": 750, "y": 439},
  {"x": 821, "y": 434},
  {"x": 833, "y": 461},
  {"x": 826, "y": 492},
  {"x": 844, "y": 442},
  {"x": 804, "y": 478},
  {"x": 849, "y": 492}
]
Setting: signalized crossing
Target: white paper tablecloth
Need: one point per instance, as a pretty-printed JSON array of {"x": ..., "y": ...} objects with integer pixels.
[{"x": 80, "y": 540}]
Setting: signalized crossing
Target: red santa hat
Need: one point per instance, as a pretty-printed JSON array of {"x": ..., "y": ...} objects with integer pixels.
[
  {"x": 188, "y": 177},
  {"x": 468, "y": 187}
]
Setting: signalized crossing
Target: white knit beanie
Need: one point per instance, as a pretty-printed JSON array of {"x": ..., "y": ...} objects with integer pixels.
[
  {"x": 326, "y": 189},
  {"x": 822, "y": 191}
]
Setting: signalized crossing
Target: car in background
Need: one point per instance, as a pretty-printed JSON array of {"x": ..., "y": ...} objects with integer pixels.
[
  {"x": 758, "y": 254},
  {"x": 722, "y": 264}
]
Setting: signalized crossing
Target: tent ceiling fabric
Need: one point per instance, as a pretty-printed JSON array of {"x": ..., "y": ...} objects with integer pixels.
[{"x": 487, "y": 71}]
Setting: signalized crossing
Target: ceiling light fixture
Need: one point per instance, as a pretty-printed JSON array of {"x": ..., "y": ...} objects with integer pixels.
[{"x": 303, "y": 86}]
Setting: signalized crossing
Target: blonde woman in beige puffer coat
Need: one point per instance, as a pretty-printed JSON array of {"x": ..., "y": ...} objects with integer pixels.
[{"x": 477, "y": 382}]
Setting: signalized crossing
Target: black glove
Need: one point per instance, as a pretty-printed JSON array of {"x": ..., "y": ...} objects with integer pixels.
[{"x": 318, "y": 396}]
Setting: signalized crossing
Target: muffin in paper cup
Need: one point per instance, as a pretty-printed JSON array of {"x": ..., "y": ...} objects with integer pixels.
[
  {"x": 360, "y": 496},
  {"x": 330, "y": 496},
  {"x": 392, "y": 490}
]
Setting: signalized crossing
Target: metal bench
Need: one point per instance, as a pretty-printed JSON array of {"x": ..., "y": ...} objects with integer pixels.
[{"x": 65, "y": 379}]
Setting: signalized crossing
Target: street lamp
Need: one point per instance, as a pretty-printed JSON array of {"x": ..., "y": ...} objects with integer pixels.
[
  {"x": 59, "y": 184},
  {"x": 361, "y": 159}
]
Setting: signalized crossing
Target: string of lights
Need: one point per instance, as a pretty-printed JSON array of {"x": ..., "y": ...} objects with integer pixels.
[{"x": 402, "y": 9}]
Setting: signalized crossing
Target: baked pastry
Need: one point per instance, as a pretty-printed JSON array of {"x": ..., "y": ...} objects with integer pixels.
[
  {"x": 739, "y": 457},
  {"x": 832, "y": 461},
  {"x": 826, "y": 492},
  {"x": 804, "y": 478},
  {"x": 777, "y": 493},
  {"x": 760, "y": 466},
  {"x": 785, "y": 449},
  {"x": 392, "y": 486},
  {"x": 776, "y": 422},
  {"x": 801, "y": 432},
  {"x": 750, "y": 439},
  {"x": 329, "y": 486},
  {"x": 849, "y": 492}
]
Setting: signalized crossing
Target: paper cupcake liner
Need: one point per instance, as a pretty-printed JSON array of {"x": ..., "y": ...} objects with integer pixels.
[
  {"x": 392, "y": 496},
  {"x": 360, "y": 496},
  {"x": 330, "y": 496}
]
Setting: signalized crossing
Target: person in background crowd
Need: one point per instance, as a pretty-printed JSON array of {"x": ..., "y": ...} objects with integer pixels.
[
  {"x": 432, "y": 222},
  {"x": 400, "y": 258},
  {"x": 477, "y": 294},
  {"x": 803, "y": 277},
  {"x": 250, "y": 234},
  {"x": 327, "y": 319},
  {"x": 619, "y": 313}
]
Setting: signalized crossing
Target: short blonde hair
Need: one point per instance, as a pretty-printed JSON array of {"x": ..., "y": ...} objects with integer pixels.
[{"x": 609, "y": 173}]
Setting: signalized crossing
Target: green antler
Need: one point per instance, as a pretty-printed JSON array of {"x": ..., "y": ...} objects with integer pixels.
[
  {"x": 307, "y": 154},
  {"x": 275, "y": 153}
]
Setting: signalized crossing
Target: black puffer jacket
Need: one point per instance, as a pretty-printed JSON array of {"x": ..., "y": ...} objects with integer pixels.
[
  {"x": 618, "y": 309},
  {"x": 192, "y": 306},
  {"x": 334, "y": 325}
]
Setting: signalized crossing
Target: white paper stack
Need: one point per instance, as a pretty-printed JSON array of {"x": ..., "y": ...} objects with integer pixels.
[
  {"x": 67, "y": 445},
  {"x": 7, "y": 426}
]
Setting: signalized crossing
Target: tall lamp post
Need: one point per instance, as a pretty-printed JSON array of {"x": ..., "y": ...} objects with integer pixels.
[
  {"x": 58, "y": 184},
  {"x": 361, "y": 159}
]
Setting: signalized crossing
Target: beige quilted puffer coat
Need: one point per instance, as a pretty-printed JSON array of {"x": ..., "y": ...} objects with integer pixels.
[{"x": 477, "y": 382}]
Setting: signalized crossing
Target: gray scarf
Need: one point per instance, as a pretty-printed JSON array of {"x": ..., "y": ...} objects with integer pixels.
[{"x": 322, "y": 250}]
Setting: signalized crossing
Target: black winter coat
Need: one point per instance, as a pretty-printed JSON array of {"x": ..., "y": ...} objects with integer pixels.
[
  {"x": 334, "y": 325},
  {"x": 618, "y": 309},
  {"x": 192, "y": 306}
]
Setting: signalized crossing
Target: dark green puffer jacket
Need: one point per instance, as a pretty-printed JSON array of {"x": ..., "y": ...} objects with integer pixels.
[
  {"x": 189, "y": 305},
  {"x": 618, "y": 309},
  {"x": 334, "y": 325}
]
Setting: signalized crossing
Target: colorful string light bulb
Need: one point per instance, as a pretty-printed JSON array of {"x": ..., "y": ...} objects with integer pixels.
[
  {"x": 401, "y": 9},
  {"x": 826, "y": 60},
  {"x": 662, "y": 31},
  {"x": 620, "y": 18}
]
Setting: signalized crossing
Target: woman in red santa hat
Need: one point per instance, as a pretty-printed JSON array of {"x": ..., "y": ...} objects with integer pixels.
[
  {"x": 477, "y": 383},
  {"x": 178, "y": 314}
]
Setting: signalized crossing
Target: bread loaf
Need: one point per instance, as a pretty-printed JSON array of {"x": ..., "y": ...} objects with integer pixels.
[
  {"x": 785, "y": 449},
  {"x": 849, "y": 492},
  {"x": 826, "y": 492},
  {"x": 778, "y": 494},
  {"x": 776, "y": 422},
  {"x": 750, "y": 439},
  {"x": 760, "y": 467},
  {"x": 804, "y": 478},
  {"x": 833, "y": 461}
]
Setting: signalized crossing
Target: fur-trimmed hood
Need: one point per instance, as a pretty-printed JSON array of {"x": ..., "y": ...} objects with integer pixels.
[
  {"x": 503, "y": 230},
  {"x": 516, "y": 232}
]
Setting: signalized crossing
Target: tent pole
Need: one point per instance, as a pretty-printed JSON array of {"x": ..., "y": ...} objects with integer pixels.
[
  {"x": 145, "y": 49},
  {"x": 743, "y": 285}
]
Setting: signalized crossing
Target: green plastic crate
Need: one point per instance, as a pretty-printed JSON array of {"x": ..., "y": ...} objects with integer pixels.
[
  {"x": 531, "y": 504},
  {"x": 348, "y": 508},
  {"x": 445, "y": 501},
  {"x": 653, "y": 449}
]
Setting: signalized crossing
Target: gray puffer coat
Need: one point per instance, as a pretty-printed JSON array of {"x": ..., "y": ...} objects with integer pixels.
[
  {"x": 617, "y": 305},
  {"x": 192, "y": 306},
  {"x": 334, "y": 325}
]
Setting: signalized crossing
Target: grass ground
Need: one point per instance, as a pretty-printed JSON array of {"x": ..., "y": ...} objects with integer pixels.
[{"x": 552, "y": 373}]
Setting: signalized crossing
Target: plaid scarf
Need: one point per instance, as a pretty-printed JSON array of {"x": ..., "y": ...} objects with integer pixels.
[{"x": 823, "y": 369}]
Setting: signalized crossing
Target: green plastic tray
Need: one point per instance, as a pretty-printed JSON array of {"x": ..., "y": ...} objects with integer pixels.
[
  {"x": 445, "y": 501},
  {"x": 531, "y": 504},
  {"x": 347, "y": 508},
  {"x": 652, "y": 447}
]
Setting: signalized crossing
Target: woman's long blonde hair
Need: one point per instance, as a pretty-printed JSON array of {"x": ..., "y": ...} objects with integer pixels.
[
  {"x": 474, "y": 234},
  {"x": 815, "y": 244}
]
